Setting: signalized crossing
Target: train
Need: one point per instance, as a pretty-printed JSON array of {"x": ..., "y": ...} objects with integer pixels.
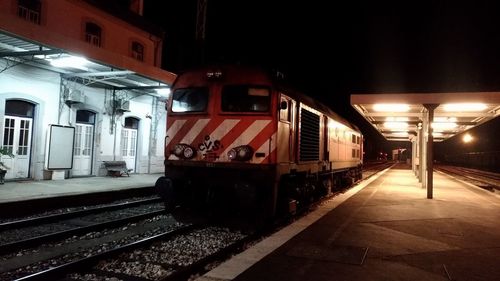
[{"x": 239, "y": 138}]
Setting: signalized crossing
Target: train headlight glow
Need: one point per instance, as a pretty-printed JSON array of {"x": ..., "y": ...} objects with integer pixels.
[
  {"x": 188, "y": 152},
  {"x": 231, "y": 154},
  {"x": 240, "y": 153},
  {"x": 178, "y": 150},
  {"x": 185, "y": 151}
]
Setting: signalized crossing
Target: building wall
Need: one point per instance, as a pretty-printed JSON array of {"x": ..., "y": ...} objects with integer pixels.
[
  {"x": 42, "y": 88},
  {"x": 63, "y": 25}
]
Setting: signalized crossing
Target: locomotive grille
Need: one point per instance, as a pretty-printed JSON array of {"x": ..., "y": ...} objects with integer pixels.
[{"x": 309, "y": 136}]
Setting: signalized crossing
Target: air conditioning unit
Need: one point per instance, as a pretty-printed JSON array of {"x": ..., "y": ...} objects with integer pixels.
[
  {"x": 74, "y": 96},
  {"x": 121, "y": 105}
]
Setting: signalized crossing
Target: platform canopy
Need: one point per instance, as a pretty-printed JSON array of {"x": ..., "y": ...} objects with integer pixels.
[
  {"x": 87, "y": 71},
  {"x": 397, "y": 116}
]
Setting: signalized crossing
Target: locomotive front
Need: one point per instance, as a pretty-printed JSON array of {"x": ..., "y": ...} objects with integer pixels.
[{"x": 220, "y": 144}]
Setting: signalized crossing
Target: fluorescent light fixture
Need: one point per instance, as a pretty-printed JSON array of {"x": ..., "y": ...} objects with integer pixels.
[
  {"x": 391, "y": 107},
  {"x": 396, "y": 122},
  {"x": 70, "y": 62},
  {"x": 396, "y": 125},
  {"x": 165, "y": 92},
  {"x": 400, "y": 134},
  {"x": 456, "y": 107}
]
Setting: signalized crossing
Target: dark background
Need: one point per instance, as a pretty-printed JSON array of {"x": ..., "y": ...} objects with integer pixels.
[{"x": 331, "y": 50}]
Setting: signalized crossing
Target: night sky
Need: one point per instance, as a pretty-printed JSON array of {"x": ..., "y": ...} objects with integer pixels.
[{"x": 331, "y": 50}]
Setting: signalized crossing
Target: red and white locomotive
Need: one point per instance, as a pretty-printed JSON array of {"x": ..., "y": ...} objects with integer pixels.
[{"x": 236, "y": 137}]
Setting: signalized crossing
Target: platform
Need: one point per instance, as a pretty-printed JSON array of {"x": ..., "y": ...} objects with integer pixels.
[
  {"x": 383, "y": 229},
  {"x": 13, "y": 191}
]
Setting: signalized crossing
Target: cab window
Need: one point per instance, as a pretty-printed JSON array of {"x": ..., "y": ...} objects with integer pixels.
[
  {"x": 190, "y": 100},
  {"x": 245, "y": 98}
]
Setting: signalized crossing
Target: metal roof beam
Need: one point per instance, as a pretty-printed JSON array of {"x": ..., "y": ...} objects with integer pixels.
[
  {"x": 99, "y": 74},
  {"x": 16, "y": 54},
  {"x": 437, "y": 114}
]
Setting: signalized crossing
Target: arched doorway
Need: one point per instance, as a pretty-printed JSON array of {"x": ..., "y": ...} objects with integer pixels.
[
  {"x": 129, "y": 142},
  {"x": 17, "y": 131},
  {"x": 84, "y": 143}
]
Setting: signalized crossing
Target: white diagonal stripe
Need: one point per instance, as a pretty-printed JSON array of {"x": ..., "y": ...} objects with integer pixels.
[
  {"x": 266, "y": 149},
  {"x": 247, "y": 136},
  {"x": 198, "y": 126},
  {"x": 224, "y": 128},
  {"x": 173, "y": 130}
]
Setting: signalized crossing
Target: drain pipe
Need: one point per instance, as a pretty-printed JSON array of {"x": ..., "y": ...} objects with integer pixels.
[{"x": 113, "y": 123}]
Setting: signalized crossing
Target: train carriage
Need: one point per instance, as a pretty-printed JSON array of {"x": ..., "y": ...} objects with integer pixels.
[{"x": 237, "y": 138}]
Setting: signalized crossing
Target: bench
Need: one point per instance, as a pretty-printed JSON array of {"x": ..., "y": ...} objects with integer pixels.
[{"x": 116, "y": 168}]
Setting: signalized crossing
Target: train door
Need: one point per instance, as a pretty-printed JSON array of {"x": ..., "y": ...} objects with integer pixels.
[
  {"x": 286, "y": 130},
  {"x": 83, "y": 148},
  {"x": 129, "y": 142},
  {"x": 18, "y": 126}
]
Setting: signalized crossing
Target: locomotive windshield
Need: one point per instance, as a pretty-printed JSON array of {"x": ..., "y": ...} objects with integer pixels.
[
  {"x": 244, "y": 98},
  {"x": 190, "y": 100}
]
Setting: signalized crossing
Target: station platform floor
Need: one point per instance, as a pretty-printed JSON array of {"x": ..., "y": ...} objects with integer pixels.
[
  {"x": 382, "y": 229},
  {"x": 13, "y": 191}
]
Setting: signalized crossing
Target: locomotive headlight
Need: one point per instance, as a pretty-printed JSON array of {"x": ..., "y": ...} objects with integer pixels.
[
  {"x": 178, "y": 150},
  {"x": 188, "y": 152},
  {"x": 240, "y": 153},
  {"x": 183, "y": 150},
  {"x": 231, "y": 154}
]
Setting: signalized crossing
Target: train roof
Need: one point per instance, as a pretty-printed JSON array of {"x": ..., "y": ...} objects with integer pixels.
[{"x": 273, "y": 78}]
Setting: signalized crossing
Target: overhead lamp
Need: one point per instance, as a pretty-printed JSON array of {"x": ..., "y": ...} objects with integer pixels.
[
  {"x": 164, "y": 92},
  {"x": 70, "y": 62},
  {"x": 391, "y": 107},
  {"x": 457, "y": 107},
  {"x": 396, "y": 125},
  {"x": 396, "y": 122}
]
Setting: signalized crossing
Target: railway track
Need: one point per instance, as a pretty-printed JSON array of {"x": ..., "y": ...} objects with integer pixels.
[
  {"x": 158, "y": 248},
  {"x": 25, "y": 233},
  {"x": 486, "y": 180}
]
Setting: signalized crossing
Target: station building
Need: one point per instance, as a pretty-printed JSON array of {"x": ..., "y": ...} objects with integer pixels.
[{"x": 80, "y": 83}]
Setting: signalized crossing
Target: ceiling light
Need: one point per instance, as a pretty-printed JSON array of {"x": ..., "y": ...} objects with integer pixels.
[
  {"x": 165, "y": 92},
  {"x": 396, "y": 125},
  {"x": 70, "y": 62},
  {"x": 456, "y": 107},
  {"x": 391, "y": 107}
]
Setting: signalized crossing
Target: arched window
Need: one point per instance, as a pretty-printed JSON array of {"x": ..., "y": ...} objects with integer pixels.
[
  {"x": 131, "y": 123},
  {"x": 93, "y": 34},
  {"x": 137, "y": 51},
  {"x": 29, "y": 10},
  {"x": 19, "y": 108},
  {"x": 85, "y": 116}
]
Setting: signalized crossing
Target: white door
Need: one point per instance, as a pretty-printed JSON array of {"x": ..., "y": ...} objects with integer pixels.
[
  {"x": 82, "y": 153},
  {"x": 17, "y": 139},
  {"x": 129, "y": 146}
]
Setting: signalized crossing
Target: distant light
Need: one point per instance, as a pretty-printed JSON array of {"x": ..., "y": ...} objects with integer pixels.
[
  {"x": 70, "y": 62},
  {"x": 165, "y": 92},
  {"x": 467, "y": 138},
  {"x": 391, "y": 107},
  {"x": 456, "y": 107}
]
